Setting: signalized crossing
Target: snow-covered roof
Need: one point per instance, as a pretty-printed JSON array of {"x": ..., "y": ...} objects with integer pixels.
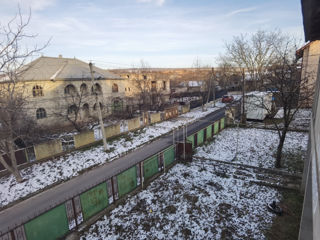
[{"x": 52, "y": 68}]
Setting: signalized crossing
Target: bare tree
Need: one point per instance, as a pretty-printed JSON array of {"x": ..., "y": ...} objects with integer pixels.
[
  {"x": 254, "y": 53},
  {"x": 14, "y": 121}
]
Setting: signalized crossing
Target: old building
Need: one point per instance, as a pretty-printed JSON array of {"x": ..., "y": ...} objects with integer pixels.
[
  {"x": 310, "y": 54},
  {"x": 59, "y": 91}
]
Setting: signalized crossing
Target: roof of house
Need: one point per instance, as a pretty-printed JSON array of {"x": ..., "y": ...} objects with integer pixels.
[{"x": 58, "y": 68}]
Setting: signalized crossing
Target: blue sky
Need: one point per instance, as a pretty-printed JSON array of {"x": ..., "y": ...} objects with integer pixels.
[{"x": 164, "y": 33}]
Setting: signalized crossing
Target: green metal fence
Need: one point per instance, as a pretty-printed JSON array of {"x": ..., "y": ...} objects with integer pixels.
[
  {"x": 150, "y": 167},
  {"x": 191, "y": 139},
  {"x": 94, "y": 200},
  {"x": 209, "y": 131},
  {"x": 222, "y": 123},
  {"x": 200, "y": 136},
  {"x": 127, "y": 181},
  {"x": 216, "y": 127},
  {"x": 169, "y": 156},
  {"x": 50, "y": 225}
]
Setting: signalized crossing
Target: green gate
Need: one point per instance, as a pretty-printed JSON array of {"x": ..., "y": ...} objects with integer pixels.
[
  {"x": 216, "y": 127},
  {"x": 94, "y": 200},
  {"x": 209, "y": 132},
  {"x": 168, "y": 156},
  {"x": 200, "y": 137},
  {"x": 127, "y": 181},
  {"x": 222, "y": 123},
  {"x": 150, "y": 167},
  {"x": 50, "y": 225}
]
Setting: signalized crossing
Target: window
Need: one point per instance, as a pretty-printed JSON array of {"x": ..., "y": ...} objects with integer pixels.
[
  {"x": 72, "y": 109},
  {"x": 83, "y": 88},
  {"x": 37, "y": 91},
  {"x": 164, "y": 85},
  {"x": 115, "y": 88},
  {"x": 69, "y": 89},
  {"x": 41, "y": 113},
  {"x": 96, "y": 89},
  {"x": 117, "y": 105},
  {"x": 85, "y": 109},
  {"x": 153, "y": 85},
  {"x": 128, "y": 76},
  {"x": 144, "y": 77},
  {"x": 95, "y": 106}
]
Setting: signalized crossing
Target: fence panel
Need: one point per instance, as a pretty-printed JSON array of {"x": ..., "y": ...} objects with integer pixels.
[
  {"x": 150, "y": 167},
  {"x": 209, "y": 132},
  {"x": 169, "y": 156},
  {"x": 50, "y": 225},
  {"x": 191, "y": 139},
  {"x": 200, "y": 136},
  {"x": 94, "y": 200},
  {"x": 216, "y": 127},
  {"x": 222, "y": 123},
  {"x": 127, "y": 181}
]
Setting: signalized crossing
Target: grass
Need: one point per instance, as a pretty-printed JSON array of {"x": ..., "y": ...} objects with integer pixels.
[
  {"x": 293, "y": 161},
  {"x": 286, "y": 227}
]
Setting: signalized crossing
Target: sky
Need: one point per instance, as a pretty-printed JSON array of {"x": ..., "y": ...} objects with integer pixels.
[{"x": 163, "y": 33}]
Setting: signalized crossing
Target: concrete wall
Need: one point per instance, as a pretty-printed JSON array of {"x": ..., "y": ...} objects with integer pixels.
[
  {"x": 134, "y": 123},
  {"x": 310, "y": 220},
  {"x": 48, "y": 149},
  {"x": 112, "y": 130},
  {"x": 185, "y": 108},
  {"x": 83, "y": 139},
  {"x": 155, "y": 117}
]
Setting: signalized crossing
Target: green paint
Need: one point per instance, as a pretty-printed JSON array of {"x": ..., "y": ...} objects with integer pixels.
[
  {"x": 94, "y": 200},
  {"x": 216, "y": 127},
  {"x": 150, "y": 167},
  {"x": 127, "y": 181},
  {"x": 222, "y": 123},
  {"x": 168, "y": 156},
  {"x": 50, "y": 225},
  {"x": 191, "y": 139},
  {"x": 200, "y": 137},
  {"x": 209, "y": 131}
]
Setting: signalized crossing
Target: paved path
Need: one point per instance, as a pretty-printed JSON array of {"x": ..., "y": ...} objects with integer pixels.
[{"x": 28, "y": 209}]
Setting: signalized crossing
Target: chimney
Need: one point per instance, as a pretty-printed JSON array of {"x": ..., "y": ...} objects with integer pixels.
[{"x": 60, "y": 56}]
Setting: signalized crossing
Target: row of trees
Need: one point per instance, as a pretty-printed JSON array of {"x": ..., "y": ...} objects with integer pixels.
[{"x": 268, "y": 63}]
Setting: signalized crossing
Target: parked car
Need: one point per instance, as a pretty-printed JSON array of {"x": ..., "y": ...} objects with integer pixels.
[{"x": 227, "y": 99}]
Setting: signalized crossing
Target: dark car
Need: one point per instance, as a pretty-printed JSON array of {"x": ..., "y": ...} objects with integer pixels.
[{"x": 227, "y": 99}]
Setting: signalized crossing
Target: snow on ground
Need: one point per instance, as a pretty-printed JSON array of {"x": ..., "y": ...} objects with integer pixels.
[
  {"x": 254, "y": 147},
  {"x": 42, "y": 175},
  {"x": 301, "y": 119},
  {"x": 200, "y": 200}
]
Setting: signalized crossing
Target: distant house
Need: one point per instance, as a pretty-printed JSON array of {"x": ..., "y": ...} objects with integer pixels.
[
  {"x": 310, "y": 54},
  {"x": 56, "y": 87}
]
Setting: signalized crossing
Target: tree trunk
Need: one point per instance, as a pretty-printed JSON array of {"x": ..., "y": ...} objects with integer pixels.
[
  {"x": 279, "y": 149},
  {"x": 12, "y": 169}
]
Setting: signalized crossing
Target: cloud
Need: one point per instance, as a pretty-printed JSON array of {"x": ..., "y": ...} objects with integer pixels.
[
  {"x": 157, "y": 2},
  {"x": 34, "y": 5},
  {"x": 241, "y": 10}
]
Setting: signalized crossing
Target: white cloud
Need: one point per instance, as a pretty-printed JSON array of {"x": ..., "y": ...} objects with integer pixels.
[
  {"x": 241, "y": 10},
  {"x": 34, "y": 5},
  {"x": 157, "y": 2}
]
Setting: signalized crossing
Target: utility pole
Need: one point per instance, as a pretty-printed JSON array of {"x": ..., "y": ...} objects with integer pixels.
[
  {"x": 243, "y": 116},
  {"x": 214, "y": 87},
  {"x": 94, "y": 87}
]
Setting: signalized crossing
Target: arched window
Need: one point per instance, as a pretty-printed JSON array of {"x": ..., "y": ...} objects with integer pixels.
[
  {"x": 83, "y": 88},
  {"x": 117, "y": 105},
  {"x": 41, "y": 113},
  {"x": 95, "y": 106},
  {"x": 72, "y": 109},
  {"x": 96, "y": 89},
  {"x": 37, "y": 91},
  {"x": 115, "y": 88},
  {"x": 70, "y": 89},
  {"x": 85, "y": 109}
]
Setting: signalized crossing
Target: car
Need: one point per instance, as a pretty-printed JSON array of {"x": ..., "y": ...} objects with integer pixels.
[{"x": 227, "y": 99}]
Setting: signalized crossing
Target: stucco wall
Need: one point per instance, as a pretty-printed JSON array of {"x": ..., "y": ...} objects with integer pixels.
[
  {"x": 112, "y": 130},
  {"x": 134, "y": 123},
  {"x": 83, "y": 139},
  {"x": 155, "y": 117},
  {"x": 48, "y": 149}
]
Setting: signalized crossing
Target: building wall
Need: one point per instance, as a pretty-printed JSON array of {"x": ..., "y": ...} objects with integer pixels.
[
  {"x": 56, "y": 102},
  {"x": 310, "y": 63}
]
